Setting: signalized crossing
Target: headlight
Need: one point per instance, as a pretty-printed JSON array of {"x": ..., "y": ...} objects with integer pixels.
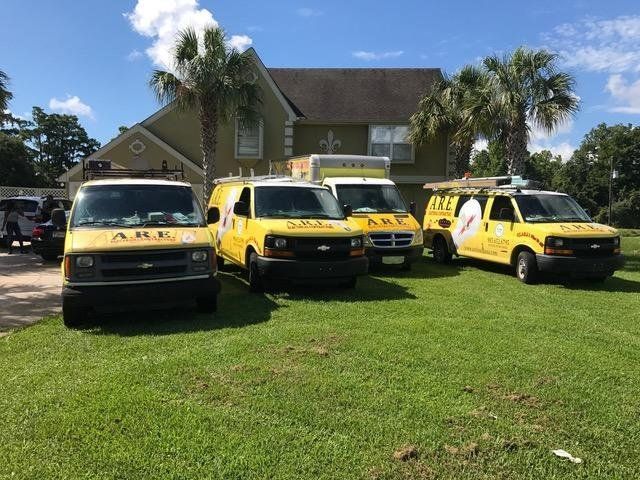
[
  {"x": 276, "y": 242},
  {"x": 356, "y": 242},
  {"x": 616, "y": 241},
  {"x": 418, "y": 239},
  {"x": 554, "y": 242},
  {"x": 84, "y": 261},
  {"x": 199, "y": 256}
]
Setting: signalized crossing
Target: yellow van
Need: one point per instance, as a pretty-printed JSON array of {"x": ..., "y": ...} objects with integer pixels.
[
  {"x": 276, "y": 227},
  {"x": 502, "y": 220},
  {"x": 392, "y": 235},
  {"x": 135, "y": 241}
]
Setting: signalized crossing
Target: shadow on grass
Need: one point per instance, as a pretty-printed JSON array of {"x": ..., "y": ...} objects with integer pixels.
[
  {"x": 424, "y": 267},
  {"x": 368, "y": 288},
  {"x": 236, "y": 308}
]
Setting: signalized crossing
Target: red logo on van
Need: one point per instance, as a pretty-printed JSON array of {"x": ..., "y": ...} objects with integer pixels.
[{"x": 444, "y": 223}]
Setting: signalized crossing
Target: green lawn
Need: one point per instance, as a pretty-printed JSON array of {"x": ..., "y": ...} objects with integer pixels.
[{"x": 480, "y": 375}]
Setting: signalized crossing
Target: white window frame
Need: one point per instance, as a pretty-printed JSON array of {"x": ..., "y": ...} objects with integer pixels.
[
  {"x": 413, "y": 151},
  {"x": 260, "y": 141}
]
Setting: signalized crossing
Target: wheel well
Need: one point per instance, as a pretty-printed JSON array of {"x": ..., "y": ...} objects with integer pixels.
[
  {"x": 516, "y": 251},
  {"x": 446, "y": 242},
  {"x": 247, "y": 254}
]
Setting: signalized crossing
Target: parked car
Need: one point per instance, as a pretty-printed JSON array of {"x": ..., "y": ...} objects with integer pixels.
[
  {"x": 47, "y": 240},
  {"x": 31, "y": 207}
]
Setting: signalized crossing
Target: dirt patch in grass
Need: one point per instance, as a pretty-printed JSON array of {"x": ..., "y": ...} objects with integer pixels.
[
  {"x": 319, "y": 347},
  {"x": 405, "y": 453},
  {"x": 523, "y": 399}
]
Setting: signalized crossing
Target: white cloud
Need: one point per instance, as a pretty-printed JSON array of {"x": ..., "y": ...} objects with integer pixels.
[
  {"x": 134, "y": 55},
  {"x": 599, "y": 45},
  {"x": 564, "y": 149},
  {"x": 309, "y": 12},
  {"x": 369, "y": 56},
  {"x": 71, "y": 105},
  {"x": 240, "y": 42},
  {"x": 480, "y": 144},
  {"x": 626, "y": 95}
]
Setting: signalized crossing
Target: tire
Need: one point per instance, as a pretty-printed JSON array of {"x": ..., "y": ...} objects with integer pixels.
[
  {"x": 351, "y": 283},
  {"x": 527, "y": 268},
  {"x": 49, "y": 257},
  {"x": 207, "y": 304},
  {"x": 72, "y": 316},
  {"x": 441, "y": 253},
  {"x": 255, "y": 280}
]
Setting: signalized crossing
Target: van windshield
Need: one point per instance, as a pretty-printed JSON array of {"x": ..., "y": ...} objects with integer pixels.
[
  {"x": 136, "y": 205},
  {"x": 296, "y": 202},
  {"x": 550, "y": 209},
  {"x": 371, "y": 198}
]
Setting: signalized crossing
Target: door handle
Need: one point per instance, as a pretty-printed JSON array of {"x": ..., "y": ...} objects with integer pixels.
[{"x": 486, "y": 226}]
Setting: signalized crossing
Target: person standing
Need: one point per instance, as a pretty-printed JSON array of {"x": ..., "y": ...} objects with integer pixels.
[{"x": 12, "y": 226}]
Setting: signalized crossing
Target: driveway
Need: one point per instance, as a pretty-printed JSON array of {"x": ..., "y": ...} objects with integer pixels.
[{"x": 29, "y": 289}]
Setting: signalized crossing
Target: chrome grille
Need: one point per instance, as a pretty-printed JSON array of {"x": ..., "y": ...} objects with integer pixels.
[
  {"x": 142, "y": 265},
  {"x": 391, "y": 239}
]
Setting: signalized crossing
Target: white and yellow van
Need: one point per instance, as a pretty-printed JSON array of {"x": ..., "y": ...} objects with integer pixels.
[
  {"x": 361, "y": 183},
  {"x": 277, "y": 227},
  {"x": 500, "y": 220},
  {"x": 135, "y": 241}
]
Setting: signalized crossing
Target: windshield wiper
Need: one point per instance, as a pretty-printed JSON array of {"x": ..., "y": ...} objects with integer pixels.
[{"x": 101, "y": 222}]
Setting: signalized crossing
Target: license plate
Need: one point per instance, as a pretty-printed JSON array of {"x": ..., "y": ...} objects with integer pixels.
[
  {"x": 58, "y": 234},
  {"x": 392, "y": 260}
]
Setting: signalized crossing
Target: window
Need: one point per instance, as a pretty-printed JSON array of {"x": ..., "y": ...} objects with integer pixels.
[
  {"x": 248, "y": 140},
  {"x": 391, "y": 141},
  {"x": 482, "y": 200},
  {"x": 25, "y": 206},
  {"x": 245, "y": 197},
  {"x": 371, "y": 198},
  {"x": 555, "y": 208},
  {"x": 502, "y": 209}
]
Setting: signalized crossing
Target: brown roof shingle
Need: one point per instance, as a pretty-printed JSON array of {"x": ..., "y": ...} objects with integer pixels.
[{"x": 354, "y": 94}]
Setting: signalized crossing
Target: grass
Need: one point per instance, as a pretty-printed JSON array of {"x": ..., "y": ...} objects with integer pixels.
[{"x": 447, "y": 372}]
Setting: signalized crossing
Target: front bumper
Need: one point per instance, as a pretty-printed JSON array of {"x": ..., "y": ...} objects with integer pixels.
[
  {"x": 133, "y": 294},
  {"x": 312, "y": 270},
  {"x": 410, "y": 254},
  {"x": 580, "y": 265}
]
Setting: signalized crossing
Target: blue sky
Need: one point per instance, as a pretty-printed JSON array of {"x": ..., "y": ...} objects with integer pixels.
[{"x": 93, "y": 58}]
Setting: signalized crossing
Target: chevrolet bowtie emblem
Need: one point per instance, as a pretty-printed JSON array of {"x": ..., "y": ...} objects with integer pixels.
[
  {"x": 595, "y": 245},
  {"x": 145, "y": 265},
  {"x": 324, "y": 248}
]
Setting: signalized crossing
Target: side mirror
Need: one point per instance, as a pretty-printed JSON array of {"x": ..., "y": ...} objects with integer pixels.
[
  {"x": 507, "y": 214},
  {"x": 348, "y": 210},
  {"x": 241, "y": 208},
  {"x": 412, "y": 208},
  {"x": 58, "y": 218},
  {"x": 213, "y": 215}
]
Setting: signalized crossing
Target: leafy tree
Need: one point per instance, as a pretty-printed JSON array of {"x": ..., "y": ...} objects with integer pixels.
[
  {"x": 5, "y": 94},
  {"x": 442, "y": 111},
  {"x": 543, "y": 167},
  {"x": 57, "y": 143},
  {"x": 490, "y": 162},
  {"x": 16, "y": 167},
  {"x": 526, "y": 88},
  {"x": 216, "y": 80},
  {"x": 586, "y": 175}
]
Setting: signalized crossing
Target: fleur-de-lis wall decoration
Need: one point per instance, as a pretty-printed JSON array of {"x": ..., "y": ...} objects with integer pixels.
[{"x": 330, "y": 144}]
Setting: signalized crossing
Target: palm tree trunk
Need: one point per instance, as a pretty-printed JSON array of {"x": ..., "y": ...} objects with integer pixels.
[
  {"x": 517, "y": 147},
  {"x": 208, "y": 142},
  {"x": 463, "y": 159}
]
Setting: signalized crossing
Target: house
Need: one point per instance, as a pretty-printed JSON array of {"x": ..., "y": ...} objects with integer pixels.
[{"x": 362, "y": 111}]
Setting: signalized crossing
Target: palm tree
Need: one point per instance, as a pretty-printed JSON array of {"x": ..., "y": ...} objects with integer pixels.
[
  {"x": 214, "y": 79},
  {"x": 5, "y": 94},
  {"x": 526, "y": 89},
  {"x": 443, "y": 111}
]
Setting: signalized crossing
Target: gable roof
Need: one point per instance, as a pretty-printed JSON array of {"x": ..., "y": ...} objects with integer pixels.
[
  {"x": 137, "y": 128},
  {"x": 354, "y": 94}
]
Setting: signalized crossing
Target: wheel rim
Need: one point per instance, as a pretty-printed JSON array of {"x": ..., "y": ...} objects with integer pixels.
[{"x": 522, "y": 268}]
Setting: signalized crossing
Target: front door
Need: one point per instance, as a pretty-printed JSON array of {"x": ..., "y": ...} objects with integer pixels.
[{"x": 499, "y": 229}]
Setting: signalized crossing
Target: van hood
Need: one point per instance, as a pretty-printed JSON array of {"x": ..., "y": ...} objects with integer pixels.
[
  {"x": 309, "y": 228},
  {"x": 386, "y": 221},
  {"x": 93, "y": 239},
  {"x": 576, "y": 230}
]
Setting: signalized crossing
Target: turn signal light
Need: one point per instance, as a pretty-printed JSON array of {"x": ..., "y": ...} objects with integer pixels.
[
  {"x": 557, "y": 251},
  {"x": 269, "y": 252},
  {"x": 356, "y": 253},
  {"x": 616, "y": 251},
  {"x": 67, "y": 266}
]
